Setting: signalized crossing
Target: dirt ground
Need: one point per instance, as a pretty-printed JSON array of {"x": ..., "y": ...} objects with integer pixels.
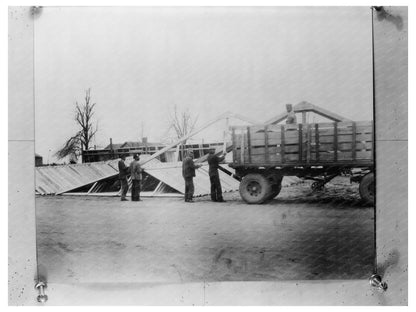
[{"x": 299, "y": 235}]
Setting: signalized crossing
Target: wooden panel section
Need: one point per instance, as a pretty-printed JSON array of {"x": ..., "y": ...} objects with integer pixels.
[
  {"x": 248, "y": 144},
  {"x": 344, "y": 156},
  {"x": 344, "y": 138},
  {"x": 266, "y": 144},
  {"x": 316, "y": 142},
  {"x": 259, "y": 159},
  {"x": 327, "y": 147},
  {"x": 234, "y": 139},
  {"x": 357, "y": 123},
  {"x": 262, "y": 151},
  {"x": 262, "y": 142},
  {"x": 308, "y": 143},
  {"x": 302, "y": 144},
  {"x": 292, "y": 158},
  {"x": 257, "y": 136},
  {"x": 288, "y": 149},
  {"x": 354, "y": 141},
  {"x": 242, "y": 147}
]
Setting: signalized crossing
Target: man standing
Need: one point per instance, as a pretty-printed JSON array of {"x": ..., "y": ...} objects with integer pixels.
[
  {"x": 291, "y": 116},
  {"x": 188, "y": 173},
  {"x": 136, "y": 177},
  {"x": 123, "y": 173},
  {"x": 214, "y": 177}
]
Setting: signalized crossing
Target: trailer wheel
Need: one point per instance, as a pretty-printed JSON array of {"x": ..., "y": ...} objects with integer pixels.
[
  {"x": 367, "y": 188},
  {"x": 255, "y": 188},
  {"x": 276, "y": 185}
]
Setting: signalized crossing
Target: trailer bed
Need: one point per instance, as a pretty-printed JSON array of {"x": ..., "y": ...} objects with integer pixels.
[{"x": 317, "y": 144}]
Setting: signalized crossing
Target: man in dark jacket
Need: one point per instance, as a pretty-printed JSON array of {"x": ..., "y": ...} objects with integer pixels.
[
  {"x": 188, "y": 173},
  {"x": 123, "y": 173},
  {"x": 214, "y": 177},
  {"x": 136, "y": 177}
]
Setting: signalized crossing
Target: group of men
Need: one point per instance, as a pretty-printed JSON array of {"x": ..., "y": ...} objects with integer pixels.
[
  {"x": 135, "y": 171},
  {"x": 188, "y": 173}
]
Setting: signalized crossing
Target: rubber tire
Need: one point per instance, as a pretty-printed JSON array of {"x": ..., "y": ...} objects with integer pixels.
[
  {"x": 261, "y": 192},
  {"x": 367, "y": 188},
  {"x": 276, "y": 185}
]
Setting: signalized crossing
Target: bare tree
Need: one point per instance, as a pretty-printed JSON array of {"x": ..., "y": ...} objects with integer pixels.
[
  {"x": 182, "y": 123},
  {"x": 83, "y": 117},
  {"x": 82, "y": 139}
]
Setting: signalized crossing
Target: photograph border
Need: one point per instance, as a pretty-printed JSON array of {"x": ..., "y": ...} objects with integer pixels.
[{"x": 392, "y": 216}]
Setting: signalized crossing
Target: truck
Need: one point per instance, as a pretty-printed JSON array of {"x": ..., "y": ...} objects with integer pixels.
[{"x": 264, "y": 154}]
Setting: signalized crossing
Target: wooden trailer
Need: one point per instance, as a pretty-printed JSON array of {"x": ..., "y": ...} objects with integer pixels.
[{"x": 263, "y": 154}]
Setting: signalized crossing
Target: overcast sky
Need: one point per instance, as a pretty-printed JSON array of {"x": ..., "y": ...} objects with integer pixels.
[{"x": 140, "y": 62}]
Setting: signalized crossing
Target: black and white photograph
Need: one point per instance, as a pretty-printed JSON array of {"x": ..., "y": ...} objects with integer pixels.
[{"x": 183, "y": 145}]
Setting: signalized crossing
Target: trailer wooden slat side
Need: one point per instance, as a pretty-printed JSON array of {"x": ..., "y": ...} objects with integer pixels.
[
  {"x": 242, "y": 149},
  {"x": 317, "y": 142},
  {"x": 273, "y": 145},
  {"x": 354, "y": 142},
  {"x": 308, "y": 143},
  {"x": 248, "y": 145},
  {"x": 234, "y": 140},
  {"x": 300, "y": 154}
]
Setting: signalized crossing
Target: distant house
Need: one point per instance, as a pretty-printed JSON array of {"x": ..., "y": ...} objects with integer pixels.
[{"x": 38, "y": 160}]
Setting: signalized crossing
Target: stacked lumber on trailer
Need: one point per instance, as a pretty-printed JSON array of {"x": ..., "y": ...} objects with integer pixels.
[{"x": 316, "y": 143}]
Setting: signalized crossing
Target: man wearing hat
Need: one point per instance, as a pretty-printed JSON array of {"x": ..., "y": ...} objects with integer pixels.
[
  {"x": 214, "y": 177},
  {"x": 123, "y": 173},
  {"x": 136, "y": 178},
  {"x": 188, "y": 173}
]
